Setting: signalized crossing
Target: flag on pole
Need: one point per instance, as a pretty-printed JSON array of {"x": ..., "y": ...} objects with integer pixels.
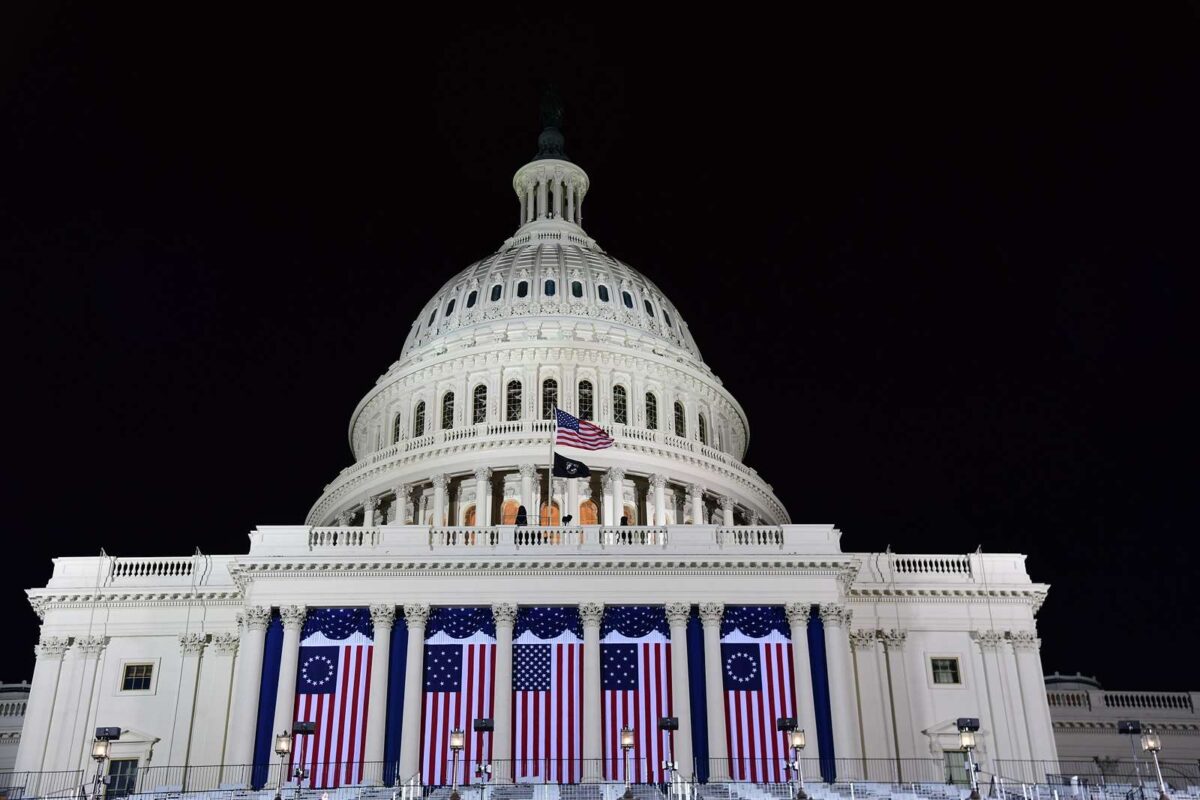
[
  {"x": 548, "y": 695},
  {"x": 333, "y": 681},
  {"x": 459, "y": 688},
  {"x": 570, "y": 468},
  {"x": 574, "y": 432},
  {"x": 758, "y": 676},
  {"x": 635, "y": 673}
]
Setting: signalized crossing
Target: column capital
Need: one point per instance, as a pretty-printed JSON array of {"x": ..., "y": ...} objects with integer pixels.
[
  {"x": 798, "y": 613},
  {"x": 658, "y": 480},
  {"x": 483, "y": 474},
  {"x": 293, "y": 617},
  {"x": 52, "y": 647},
  {"x": 726, "y": 502},
  {"x": 91, "y": 646},
  {"x": 616, "y": 473},
  {"x": 989, "y": 640},
  {"x": 505, "y": 614},
  {"x": 256, "y": 617},
  {"x": 678, "y": 613},
  {"x": 893, "y": 639},
  {"x": 862, "y": 640},
  {"x": 695, "y": 490},
  {"x": 371, "y": 503},
  {"x": 416, "y": 615},
  {"x": 225, "y": 643},
  {"x": 527, "y": 470},
  {"x": 192, "y": 644},
  {"x": 590, "y": 614},
  {"x": 1024, "y": 640},
  {"x": 383, "y": 616},
  {"x": 752, "y": 517},
  {"x": 439, "y": 481},
  {"x": 836, "y": 615},
  {"x": 711, "y": 613},
  {"x": 344, "y": 518}
]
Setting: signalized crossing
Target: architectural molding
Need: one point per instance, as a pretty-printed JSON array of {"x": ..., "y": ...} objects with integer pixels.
[
  {"x": 383, "y": 616},
  {"x": 504, "y": 614},
  {"x": 893, "y": 639},
  {"x": 798, "y": 613},
  {"x": 192, "y": 644},
  {"x": 416, "y": 615},
  {"x": 862, "y": 639},
  {"x": 293, "y": 617},
  {"x": 51, "y": 647},
  {"x": 256, "y": 617},
  {"x": 678, "y": 613},
  {"x": 90, "y": 646},
  {"x": 711, "y": 613},
  {"x": 591, "y": 614},
  {"x": 1024, "y": 640},
  {"x": 989, "y": 640},
  {"x": 225, "y": 643},
  {"x": 836, "y": 615}
]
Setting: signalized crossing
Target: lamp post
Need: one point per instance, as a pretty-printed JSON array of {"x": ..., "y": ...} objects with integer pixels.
[
  {"x": 100, "y": 755},
  {"x": 457, "y": 739},
  {"x": 1134, "y": 728},
  {"x": 626, "y": 746},
  {"x": 967, "y": 726},
  {"x": 1152, "y": 744},
  {"x": 283, "y": 748},
  {"x": 797, "y": 742}
]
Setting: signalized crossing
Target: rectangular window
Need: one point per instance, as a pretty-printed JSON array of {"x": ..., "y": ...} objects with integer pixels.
[
  {"x": 945, "y": 671},
  {"x": 136, "y": 678},
  {"x": 122, "y": 777}
]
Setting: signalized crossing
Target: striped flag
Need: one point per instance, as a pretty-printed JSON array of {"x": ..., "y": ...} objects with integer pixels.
[
  {"x": 459, "y": 688},
  {"x": 333, "y": 681},
  {"x": 575, "y": 432},
  {"x": 635, "y": 673},
  {"x": 756, "y": 665},
  {"x": 548, "y": 695}
]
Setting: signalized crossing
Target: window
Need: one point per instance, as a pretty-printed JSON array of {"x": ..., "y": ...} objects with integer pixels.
[
  {"x": 523, "y": 289},
  {"x": 419, "y": 420},
  {"x": 447, "y": 410},
  {"x": 587, "y": 403},
  {"x": 548, "y": 289},
  {"x": 432, "y": 314},
  {"x": 137, "y": 677},
  {"x": 122, "y": 777},
  {"x": 576, "y": 289},
  {"x": 651, "y": 412},
  {"x": 497, "y": 290},
  {"x": 628, "y": 299},
  {"x": 549, "y": 398},
  {"x": 703, "y": 429},
  {"x": 602, "y": 292},
  {"x": 680, "y": 420},
  {"x": 471, "y": 298},
  {"x": 396, "y": 429},
  {"x": 667, "y": 319},
  {"x": 449, "y": 308},
  {"x": 512, "y": 401},
  {"x": 620, "y": 406},
  {"x": 479, "y": 405},
  {"x": 945, "y": 670},
  {"x": 649, "y": 308}
]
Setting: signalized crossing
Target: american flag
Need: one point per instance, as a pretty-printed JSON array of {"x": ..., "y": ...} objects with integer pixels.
[
  {"x": 333, "y": 681},
  {"x": 756, "y": 664},
  {"x": 459, "y": 688},
  {"x": 548, "y": 695},
  {"x": 635, "y": 673},
  {"x": 575, "y": 432}
]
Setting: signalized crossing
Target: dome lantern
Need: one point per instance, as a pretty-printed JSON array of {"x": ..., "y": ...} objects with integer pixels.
[{"x": 550, "y": 189}]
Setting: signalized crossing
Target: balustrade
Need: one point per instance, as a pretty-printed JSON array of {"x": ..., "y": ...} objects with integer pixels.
[
  {"x": 343, "y": 537},
  {"x": 937, "y": 565},
  {"x": 127, "y": 568},
  {"x": 767, "y": 535}
]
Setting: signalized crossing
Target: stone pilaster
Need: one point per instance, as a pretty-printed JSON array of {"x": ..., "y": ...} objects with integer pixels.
[
  {"x": 590, "y": 615},
  {"x": 43, "y": 694},
  {"x": 289, "y": 661},
  {"x": 894, "y": 642},
  {"x": 505, "y": 616},
  {"x": 806, "y": 716},
  {"x": 191, "y": 646},
  {"x": 714, "y": 691},
  {"x": 416, "y": 615},
  {"x": 836, "y": 619},
  {"x": 990, "y": 644},
  {"x": 677, "y": 618},
  {"x": 383, "y": 619},
  {"x": 244, "y": 711}
]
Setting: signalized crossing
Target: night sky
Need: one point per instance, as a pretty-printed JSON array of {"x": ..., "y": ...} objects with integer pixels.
[{"x": 946, "y": 263}]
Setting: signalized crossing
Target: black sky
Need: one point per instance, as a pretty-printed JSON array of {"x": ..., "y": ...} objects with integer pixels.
[{"x": 945, "y": 260}]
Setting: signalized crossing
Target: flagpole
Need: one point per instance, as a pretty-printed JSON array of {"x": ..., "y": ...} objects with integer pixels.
[{"x": 550, "y": 469}]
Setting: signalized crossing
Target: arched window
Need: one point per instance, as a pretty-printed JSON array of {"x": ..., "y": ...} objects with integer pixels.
[
  {"x": 680, "y": 420},
  {"x": 587, "y": 403},
  {"x": 620, "y": 406},
  {"x": 649, "y": 308},
  {"x": 432, "y": 314},
  {"x": 447, "y": 411},
  {"x": 396, "y": 429},
  {"x": 628, "y": 299},
  {"x": 471, "y": 298},
  {"x": 449, "y": 308},
  {"x": 419, "y": 420},
  {"x": 602, "y": 293},
  {"x": 497, "y": 290},
  {"x": 548, "y": 289},
  {"x": 576, "y": 289},
  {"x": 512, "y": 401},
  {"x": 523, "y": 289},
  {"x": 667, "y": 318},
  {"x": 702, "y": 429},
  {"x": 479, "y": 404},
  {"x": 549, "y": 398},
  {"x": 651, "y": 411}
]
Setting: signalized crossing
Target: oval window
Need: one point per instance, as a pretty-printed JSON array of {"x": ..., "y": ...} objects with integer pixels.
[
  {"x": 471, "y": 299},
  {"x": 549, "y": 289},
  {"x": 667, "y": 318},
  {"x": 649, "y": 308},
  {"x": 497, "y": 290},
  {"x": 628, "y": 298},
  {"x": 576, "y": 289},
  {"x": 523, "y": 289},
  {"x": 432, "y": 314},
  {"x": 449, "y": 308},
  {"x": 603, "y": 292}
]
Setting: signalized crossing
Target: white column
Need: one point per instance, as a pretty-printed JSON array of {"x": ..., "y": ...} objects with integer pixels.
[
  {"x": 369, "y": 507},
  {"x": 893, "y": 643},
  {"x": 1014, "y": 703},
  {"x": 572, "y": 500},
  {"x": 681, "y": 698},
  {"x": 62, "y": 722},
  {"x": 543, "y": 195},
  {"x": 990, "y": 643},
  {"x": 875, "y": 720},
  {"x": 841, "y": 680},
  {"x": 191, "y": 646},
  {"x": 383, "y": 619},
  {"x": 570, "y": 202},
  {"x": 530, "y": 203},
  {"x": 415, "y": 617},
  {"x": 1033, "y": 694},
  {"x": 590, "y": 615},
  {"x": 606, "y": 502},
  {"x": 714, "y": 691},
  {"x": 528, "y": 473},
  {"x": 244, "y": 714},
  {"x": 439, "y": 500},
  {"x": 92, "y": 648},
  {"x": 483, "y": 496},
  {"x": 727, "y": 513},
  {"x": 659, "y": 482},
  {"x": 212, "y": 712},
  {"x": 43, "y": 693},
  {"x": 289, "y": 661},
  {"x": 806, "y": 715},
  {"x": 696, "y": 498},
  {"x": 403, "y": 513},
  {"x": 616, "y": 493},
  {"x": 505, "y": 615}
]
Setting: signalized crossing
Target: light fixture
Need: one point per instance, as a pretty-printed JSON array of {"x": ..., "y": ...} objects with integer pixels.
[
  {"x": 966, "y": 739},
  {"x": 457, "y": 739},
  {"x": 100, "y": 749},
  {"x": 1151, "y": 742},
  {"x": 798, "y": 740},
  {"x": 626, "y": 737},
  {"x": 627, "y": 745},
  {"x": 283, "y": 744},
  {"x": 967, "y": 726}
]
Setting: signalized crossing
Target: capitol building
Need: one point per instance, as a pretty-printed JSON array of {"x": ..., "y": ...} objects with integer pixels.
[{"x": 451, "y": 614}]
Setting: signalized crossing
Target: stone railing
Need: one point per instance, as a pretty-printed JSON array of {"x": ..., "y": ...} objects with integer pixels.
[
  {"x": 343, "y": 537},
  {"x": 13, "y": 708},
  {"x": 959, "y": 566},
  {"x": 755, "y": 535},
  {"x": 1176, "y": 701},
  {"x": 1065, "y": 704},
  {"x": 1069, "y": 700},
  {"x": 157, "y": 569}
]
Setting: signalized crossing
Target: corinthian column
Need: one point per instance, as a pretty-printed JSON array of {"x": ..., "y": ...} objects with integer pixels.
[
  {"x": 841, "y": 680},
  {"x": 369, "y": 507},
  {"x": 798, "y": 615},
  {"x": 695, "y": 494},
  {"x": 990, "y": 643},
  {"x": 677, "y": 618},
  {"x": 505, "y": 615},
  {"x": 285, "y": 696},
  {"x": 439, "y": 500},
  {"x": 383, "y": 618},
  {"x": 893, "y": 643},
  {"x": 727, "y": 511},
  {"x": 483, "y": 496},
  {"x": 191, "y": 645},
  {"x": 244, "y": 713},
  {"x": 415, "y": 616},
  {"x": 590, "y": 615},
  {"x": 714, "y": 691},
  {"x": 1033, "y": 696},
  {"x": 43, "y": 692},
  {"x": 659, "y": 482}
]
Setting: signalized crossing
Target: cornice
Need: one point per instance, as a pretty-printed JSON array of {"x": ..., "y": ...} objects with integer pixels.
[
  {"x": 1034, "y": 596},
  {"x": 42, "y": 600}
]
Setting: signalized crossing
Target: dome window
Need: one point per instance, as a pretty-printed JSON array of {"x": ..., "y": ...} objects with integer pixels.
[
  {"x": 649, "y": 308},
  {"x": 620, "y": 406},
  {"x": 497, "y": 290},
  {"x": 419, "y": 420},
  {"x": 667, "y": 318},
  {"x": 576, "y": 289},
  {"x": 548, "y": 289},
  {"x": 702, "y": 429},
  {"x": 471, "y": 298},
  {"x": 396, "y": 429},
  {"x": 549, "y": 398},
  {"x": 447, "y": 411},
  {"x": 449, "y": 308},
  {"x": 587, "y": 401},
  {"x": 602, "y": 291},
  {"x": 651, "y": 411},
  {"x": 628, "y": 299},
  {"x": 680, "y": 420},
  {"x": 479, "y": 404},
  {"x": 523, "y": 289},
  {"x": 432, "y": 315},
  {"x": 512, "y": 401}
]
